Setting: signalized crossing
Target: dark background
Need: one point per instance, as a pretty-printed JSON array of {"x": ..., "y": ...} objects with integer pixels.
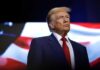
[{"x": 36, "y": 10}]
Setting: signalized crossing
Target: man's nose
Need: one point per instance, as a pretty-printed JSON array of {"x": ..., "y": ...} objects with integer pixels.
[{"x": 65, "y": 19}]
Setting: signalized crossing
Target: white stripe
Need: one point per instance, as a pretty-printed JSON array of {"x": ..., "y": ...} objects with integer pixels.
[
  {"x": 77, "y": 34},
  {"x": 35, "y": 29},
  {"x": 86, "y": 29},
  {"x": 93, "y": 51},
  {"x": 83, "y": 38},
  {"x": 16, "y": 53}
]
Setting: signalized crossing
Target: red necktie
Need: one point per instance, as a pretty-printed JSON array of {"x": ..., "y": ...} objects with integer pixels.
[{"x": 66, "y": 51}]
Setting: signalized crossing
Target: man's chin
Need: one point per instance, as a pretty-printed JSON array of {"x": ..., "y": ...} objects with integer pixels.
[{"x": 66, "y": 30}]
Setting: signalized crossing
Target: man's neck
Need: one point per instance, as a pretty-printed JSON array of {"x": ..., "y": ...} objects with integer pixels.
[{"x": 61, "y": 33}]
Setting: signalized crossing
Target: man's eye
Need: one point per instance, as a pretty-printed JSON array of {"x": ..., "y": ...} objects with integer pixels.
[
  {"x": 60, "y": 17},
  {"x": 67, "y": 16}
]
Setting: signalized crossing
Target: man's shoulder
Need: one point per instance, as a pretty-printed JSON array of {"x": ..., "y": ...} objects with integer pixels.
[
  {"x": 41, "y": 38},
  {"x": 76, "y": 43}
]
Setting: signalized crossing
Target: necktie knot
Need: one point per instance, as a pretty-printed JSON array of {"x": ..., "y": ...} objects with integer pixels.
[{"x": 63, "y": 39}]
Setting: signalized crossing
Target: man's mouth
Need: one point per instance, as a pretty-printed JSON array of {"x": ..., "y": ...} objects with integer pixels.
[{"x": 66, "y": 25}]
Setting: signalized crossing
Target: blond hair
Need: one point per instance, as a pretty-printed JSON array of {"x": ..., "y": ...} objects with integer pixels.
[{"x": 55, "y": 10}]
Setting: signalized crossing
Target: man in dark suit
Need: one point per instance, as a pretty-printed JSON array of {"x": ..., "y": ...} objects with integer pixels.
[{"x": 47, "y": 53}]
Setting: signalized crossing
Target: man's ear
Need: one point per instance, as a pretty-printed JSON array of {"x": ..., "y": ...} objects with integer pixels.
[{"x": 51, "y": 25}]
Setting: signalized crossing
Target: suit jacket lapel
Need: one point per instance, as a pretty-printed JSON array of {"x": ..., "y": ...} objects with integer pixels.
[
  {"x": 54, "y": 43},
  {"x": 77, "y": 54},
  {"x": 57, "y": 49}
]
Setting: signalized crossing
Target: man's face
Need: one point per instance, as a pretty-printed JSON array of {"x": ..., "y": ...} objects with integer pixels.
[{"x": 60, "y": 21}]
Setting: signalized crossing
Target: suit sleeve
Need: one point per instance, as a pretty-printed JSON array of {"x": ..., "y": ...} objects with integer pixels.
[
  {"x": 81, "y": 56},
  {"x": 34, "y": 56},
  {"x": 84, "y": 61}
]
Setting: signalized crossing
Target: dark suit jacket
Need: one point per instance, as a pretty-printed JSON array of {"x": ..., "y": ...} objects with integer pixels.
[{"x": 46, "y": 54}]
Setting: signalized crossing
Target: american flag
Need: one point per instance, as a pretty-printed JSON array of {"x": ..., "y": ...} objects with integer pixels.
[{"x": 15, "y": 56}]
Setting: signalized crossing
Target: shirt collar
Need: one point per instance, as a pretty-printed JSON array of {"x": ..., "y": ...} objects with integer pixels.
[{"x": 58, "y": 37}]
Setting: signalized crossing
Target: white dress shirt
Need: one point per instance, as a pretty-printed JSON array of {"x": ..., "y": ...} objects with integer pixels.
[{"x": 58, "y": 37}]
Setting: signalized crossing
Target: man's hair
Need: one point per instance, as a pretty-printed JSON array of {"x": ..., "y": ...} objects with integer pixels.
[{"x": 55, "y": 10}]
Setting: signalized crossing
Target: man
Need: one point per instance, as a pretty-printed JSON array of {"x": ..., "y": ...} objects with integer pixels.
[{"x": 49, "y": 53}]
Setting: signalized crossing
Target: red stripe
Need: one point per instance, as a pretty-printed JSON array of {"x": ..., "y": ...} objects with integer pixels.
[
  {"x": 89, "y": 25},
  {"x": 11, "y": 64},
  {"x": 23, "y": 42},
  {"x": 95, "y": 62}
]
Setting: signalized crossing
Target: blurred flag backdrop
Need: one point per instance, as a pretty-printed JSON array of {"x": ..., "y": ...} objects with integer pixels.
[{"x": 14, "y": 55}]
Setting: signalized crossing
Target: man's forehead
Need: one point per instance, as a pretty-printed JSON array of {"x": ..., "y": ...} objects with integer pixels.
[
  {"x": 58, "y": 11},
  {"x": 61, "y": 13}
]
